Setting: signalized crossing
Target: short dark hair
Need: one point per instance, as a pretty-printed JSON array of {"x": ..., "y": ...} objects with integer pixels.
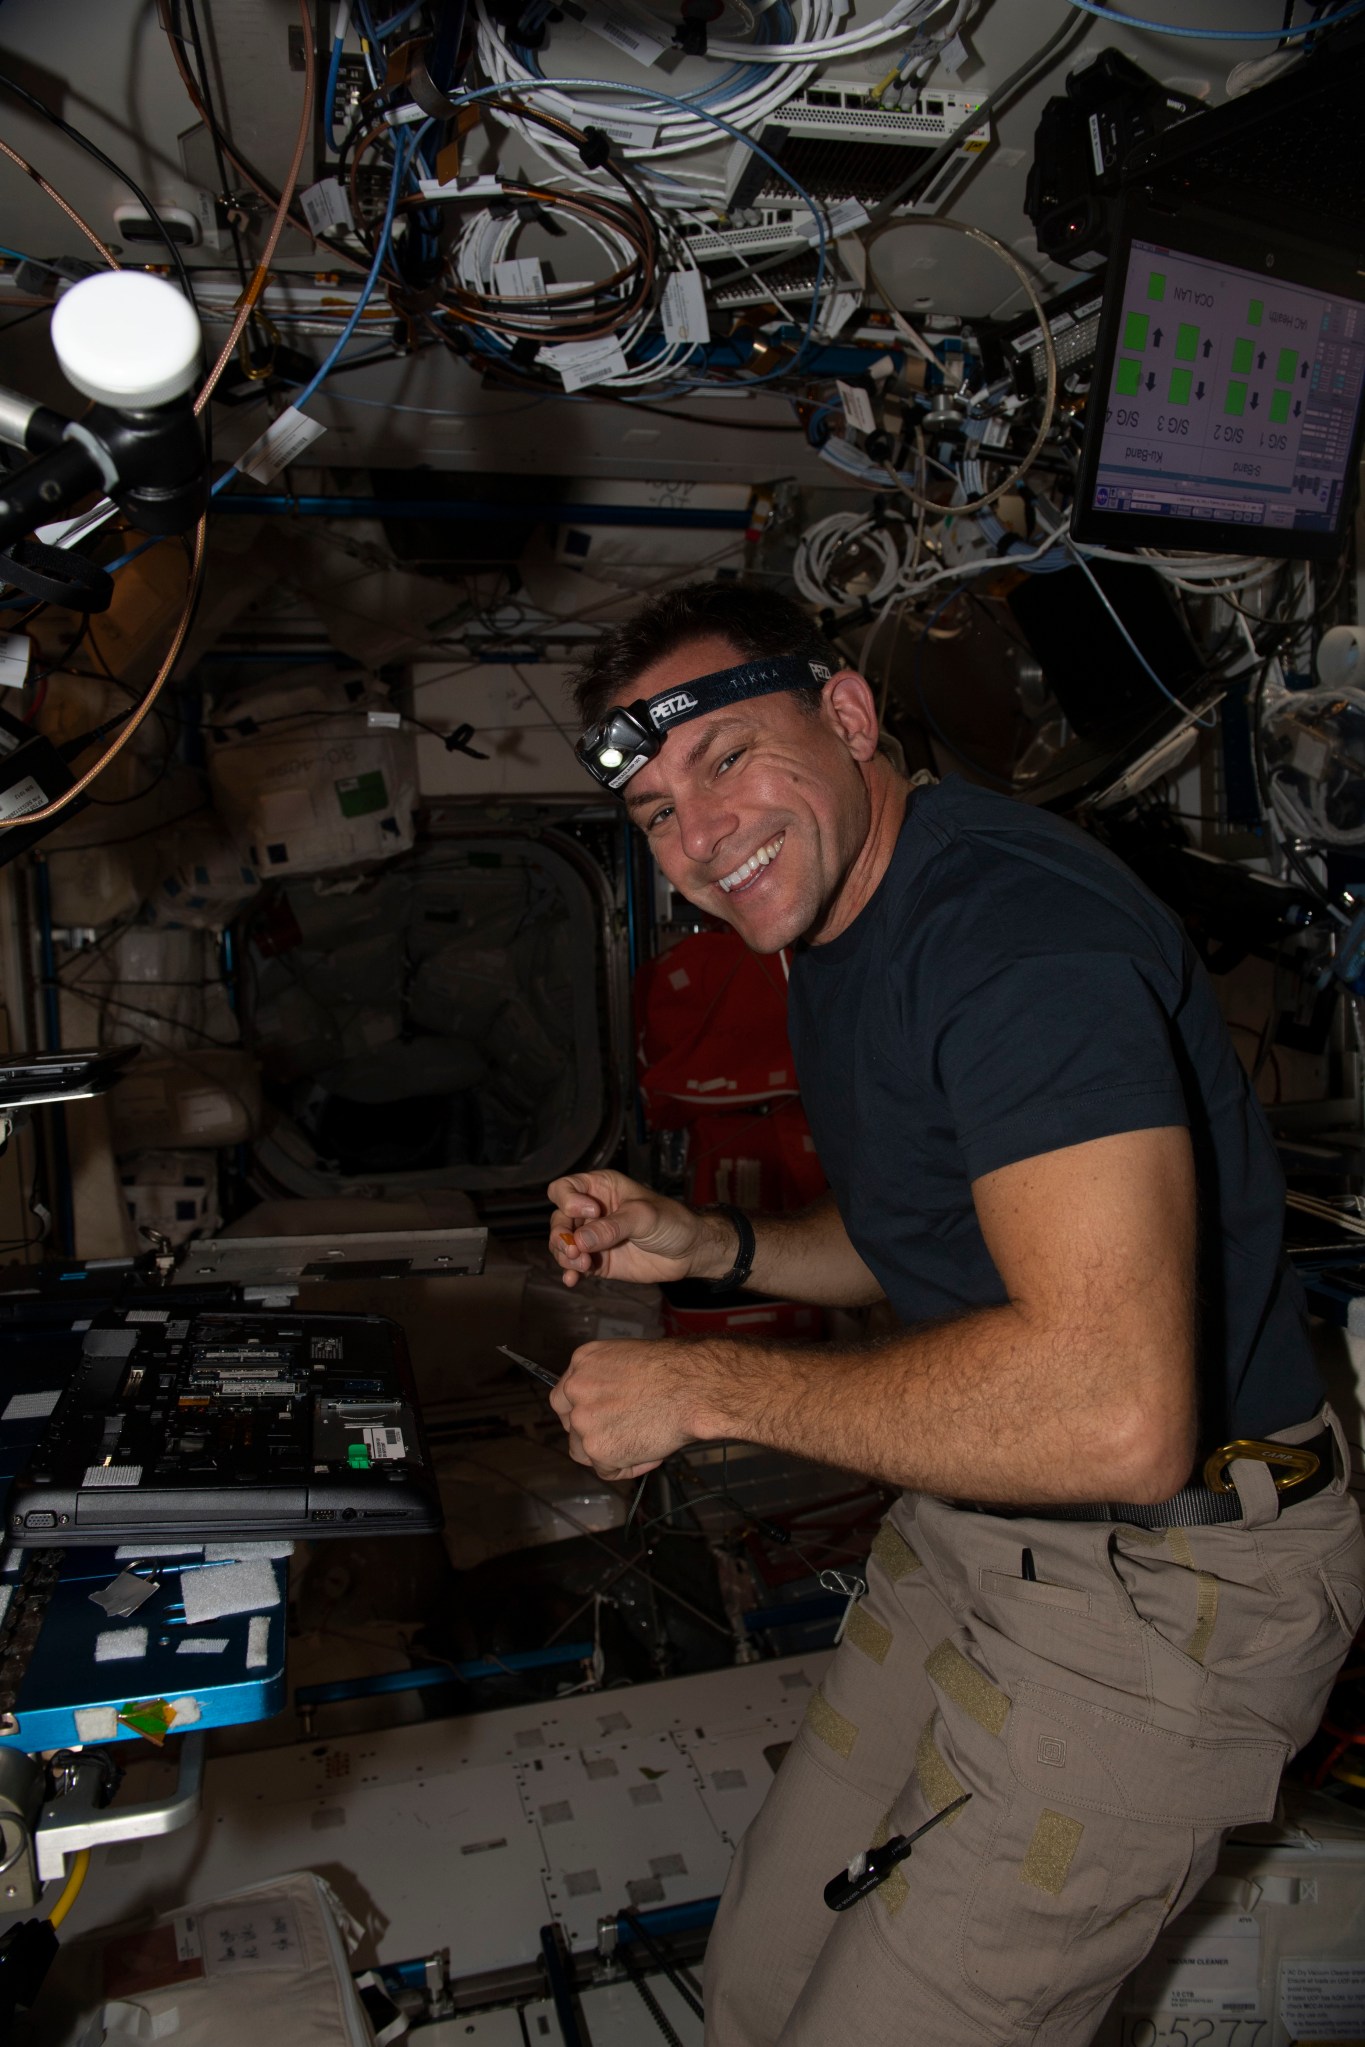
[{"x": 759, "y": 625}]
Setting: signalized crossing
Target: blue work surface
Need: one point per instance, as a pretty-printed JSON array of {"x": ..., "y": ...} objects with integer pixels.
[{"x": 67, "y": 1695}]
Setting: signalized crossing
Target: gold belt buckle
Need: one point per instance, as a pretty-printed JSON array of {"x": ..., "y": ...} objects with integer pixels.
[{"x": 1298, "y": 1464}]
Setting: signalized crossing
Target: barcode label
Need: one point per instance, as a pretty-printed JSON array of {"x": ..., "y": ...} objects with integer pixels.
[
  {"x": 384, "y": 1443},
  {"x": 21, "y": 797},
  {"x": 634, "y": 41}
]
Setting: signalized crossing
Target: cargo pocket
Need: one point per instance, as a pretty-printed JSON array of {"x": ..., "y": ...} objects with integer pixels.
[
  {"x": 1089, "y": 1759},
  {"x": 1064, "y": 1906},
  {"x": 1020, "y": 1904}
]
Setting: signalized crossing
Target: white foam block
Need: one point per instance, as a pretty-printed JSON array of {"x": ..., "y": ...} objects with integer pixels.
[
  {"x": 184, "y": 1712},
  {"x": 120, "y": 1645},
  {"x": 244, "y": 1552},
  {"x": 257, "y": 1642},
  {"x": 202, "y": 1645},
  {"x": 96, "y": 1723},
  {"x": 31, "y": 1407},
  {"x": 228, "y": 1588}
]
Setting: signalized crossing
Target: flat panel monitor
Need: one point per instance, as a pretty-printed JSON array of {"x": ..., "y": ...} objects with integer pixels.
[{"x": 1226, "y": 408}]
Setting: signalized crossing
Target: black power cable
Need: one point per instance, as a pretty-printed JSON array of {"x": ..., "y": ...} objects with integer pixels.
[
  {"x": 663, "y": 1961},
  {"x": 124, "y": 177},
  {"x": 651, "y": 2003},
  {"x": 224, "y": 188}
]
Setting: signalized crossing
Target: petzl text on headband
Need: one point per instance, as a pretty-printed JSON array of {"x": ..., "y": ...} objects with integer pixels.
[{"x": 618, "y": 745}]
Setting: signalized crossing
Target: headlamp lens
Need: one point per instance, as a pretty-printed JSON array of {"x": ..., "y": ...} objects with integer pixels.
[{"x": 617, "y": 745}]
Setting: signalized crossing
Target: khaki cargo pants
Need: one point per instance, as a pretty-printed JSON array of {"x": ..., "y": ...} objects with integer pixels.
[{"x": 1110, "y": 1718}]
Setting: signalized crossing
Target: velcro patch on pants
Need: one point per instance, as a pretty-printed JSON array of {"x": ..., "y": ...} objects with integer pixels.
[
  {"x": 893, "y": 1890},
  {"x": 1205, "y": 1614},
  {"x": 894, "y": 1553},
  {"x": 830, "y": 1726},
  {"x": 868, "y": 1634},
  {"x": 936, "y": 1780},
  {"x": 1048, "y": 1858},
  {"x": 949, "y": 1669}
]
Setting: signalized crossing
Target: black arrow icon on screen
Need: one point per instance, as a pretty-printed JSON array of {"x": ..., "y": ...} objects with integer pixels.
[
  {"x": 1199, "y": 388},
  {"x": 1255, "y": 400},
  {"x": 1151, "y": 380},
  {"x": 1298, "y": 407},
  {"x": 1208, "y": 350},
  {"x": 1156, "y": 337},
  {"x": 1260, "y": 360}
]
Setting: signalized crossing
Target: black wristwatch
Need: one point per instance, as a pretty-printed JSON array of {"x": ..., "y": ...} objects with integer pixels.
[{"x": 744, "y": 1257}]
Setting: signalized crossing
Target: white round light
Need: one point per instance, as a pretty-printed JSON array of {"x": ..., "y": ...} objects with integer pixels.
[
  {"x": 611, "y": 757},
  {"x": 126, "y": 339},
  {"x": 1341, "y": 657}
]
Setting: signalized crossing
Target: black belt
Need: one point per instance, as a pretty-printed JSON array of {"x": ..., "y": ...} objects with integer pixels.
[{"x": 1304, "y": 1469}]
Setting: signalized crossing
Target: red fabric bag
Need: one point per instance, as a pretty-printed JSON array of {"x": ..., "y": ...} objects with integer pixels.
[
  {"x": 715, "y": 1060},
  {"x": 712, "y": 1030}
]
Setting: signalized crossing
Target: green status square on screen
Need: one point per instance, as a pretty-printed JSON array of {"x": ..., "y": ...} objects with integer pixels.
[
  {"x": 1236, "y": 401},
  {"x": 1186, "y": 344},
  {"x": 1156, "y": 284},
  {"x": 1279, "y": 407},
  {"x": 1135, "y": 331},
  {"x": 1254, "y": 312},
  {"x": 1241, "y": 356},
  {"x": 1286, "y": 365},
  {"x": 1128, "y": 380},
  {"x": 1180, "y": 387}
]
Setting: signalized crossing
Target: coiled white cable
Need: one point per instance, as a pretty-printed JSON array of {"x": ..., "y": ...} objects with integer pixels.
[
  {"x": 1300, "y": 802},
  {"x": 486, "y": 241},
  {"x": 838, "y": 535},
  {"x": 869, "y": 36},
  {"x": 754, "y": 98}
]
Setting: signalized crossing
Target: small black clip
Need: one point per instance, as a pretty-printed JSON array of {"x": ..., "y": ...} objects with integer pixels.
[
  {"x": 875, "y": 1865},
  {"x": 595, "y": 148},
  {"x": 532, "y": 214},
  {"x": 458, "y": 742}
]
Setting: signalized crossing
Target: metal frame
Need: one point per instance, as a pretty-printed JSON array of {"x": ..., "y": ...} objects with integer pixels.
[{"x": 58, "y": 1835}]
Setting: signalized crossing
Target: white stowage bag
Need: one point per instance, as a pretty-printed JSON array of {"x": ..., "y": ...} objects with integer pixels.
[
  {"x": 174, "y": 1193},
  {"x": 462, "y": 987},
  {"x": 186, "y": 1099},
  {"x": 96, "y": 884},
  {"x": 149, "y": 986},
  {"x": 201, "y": 878},
  {"x": 271, "y": 1961},
  {"x": 303, "y": 783}
]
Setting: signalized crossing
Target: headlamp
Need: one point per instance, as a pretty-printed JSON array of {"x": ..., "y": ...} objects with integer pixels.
[{"x": 619, "y": 744}]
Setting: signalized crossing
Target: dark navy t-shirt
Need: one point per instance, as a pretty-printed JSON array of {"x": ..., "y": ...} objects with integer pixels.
[{"x": 1010, "y": 989}]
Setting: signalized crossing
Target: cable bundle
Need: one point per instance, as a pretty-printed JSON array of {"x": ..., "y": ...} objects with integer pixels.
[
  {"x": 791, "y": 47},
  {"x": 846, "y": 547}
]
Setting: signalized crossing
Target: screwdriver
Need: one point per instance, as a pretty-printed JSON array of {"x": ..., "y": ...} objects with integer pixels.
[{"x": 874, "y": 1865}]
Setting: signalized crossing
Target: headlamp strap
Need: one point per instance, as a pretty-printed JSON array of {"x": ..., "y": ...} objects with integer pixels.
[{"x": 733, "y": 686}]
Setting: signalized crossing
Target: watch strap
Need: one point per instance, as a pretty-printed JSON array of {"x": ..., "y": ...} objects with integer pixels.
[{"x": 744, "y": 1258}]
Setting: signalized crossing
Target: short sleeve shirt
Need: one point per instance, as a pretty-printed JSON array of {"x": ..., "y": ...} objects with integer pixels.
[{"x": 1012, "y": 989}]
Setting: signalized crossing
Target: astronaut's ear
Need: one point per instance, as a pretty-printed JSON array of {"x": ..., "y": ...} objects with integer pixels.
[{"x": 850, "y": 707}]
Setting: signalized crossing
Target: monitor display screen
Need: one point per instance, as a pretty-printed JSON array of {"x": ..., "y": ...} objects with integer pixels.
[{"x": 1226, "y": 409}]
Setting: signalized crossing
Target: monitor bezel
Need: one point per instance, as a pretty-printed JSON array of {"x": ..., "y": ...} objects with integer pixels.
[{"x": 1262, "y": 250}]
